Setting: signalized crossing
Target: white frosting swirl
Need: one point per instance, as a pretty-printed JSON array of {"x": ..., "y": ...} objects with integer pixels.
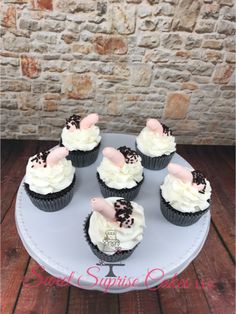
[
  {"x": 120, "y": 178},
  {"x": 153, "y": 144},
  {"x": 127, "y": 238},
  {"x": 183, "y": 196},
  {"x": 50, "y": 179},
  {"x": 81, "y": 139}
]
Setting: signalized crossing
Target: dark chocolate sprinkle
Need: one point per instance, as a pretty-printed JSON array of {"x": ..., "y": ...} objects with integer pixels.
[
  {"x": 199, "y": 178},
  {"x": 124, "y": 210},
  {"x": 73, "y": 120},
  {"x": 166, "y": 129},
  {"x": 130, "y": 155},
  {"x": 40, "y": 158}
]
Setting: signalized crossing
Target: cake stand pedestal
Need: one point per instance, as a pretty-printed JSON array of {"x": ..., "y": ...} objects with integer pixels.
[{"x": 56, "y": 240}]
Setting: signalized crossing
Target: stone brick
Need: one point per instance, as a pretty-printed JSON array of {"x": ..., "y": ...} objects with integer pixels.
[
  {"x": 230, "y": 44},
  {"x": 185, "y": 16},
  {"x": 172, "y": 41},
  {"x": 222, "y": 74},
  {"x": 42, "y": 4},
  {"x": 123, "y": 18},
  {"x": 8, "y": 16},
  {"x": 175, "y": 76},
  {"x": 30, "y": 25},
  {"x": 82, "y": 48},
  {"x": 50, "y": 105},
  {"x": 144, "y": 10},
  {"x": 205, "y": 26},
  {"x": 30, "y": 66},
  {"x": 141, "y": 74},
  {"x": 164, "y": 9},
  {"x": 147, "y": 25},
  {"x": 13, "y": 43},
  {"x": 78, "y": 86},
  {"x": 110, "y": 45},
  {"x": 14, "y": 86},
  {"x": 201, "y": 68},
  {"x": 213, "y": 56},
  {"x": 210, "y": 11},
  {"x": 230, "y": 57},
  {"x": 149, "y": 41},
  {"x": 164, "y": 24},
  {"x": 193, "y": 42},
  {"x": 225, "y": 27},
  {"x": 212, "y": 44},
  {"x": 53, "y": 26},
  {"x": 189, "y": 86},
  {"x": 68, "y": 38},
  {"x": 28, "y": 103},
  {"x": 176, "y": 106},
  {"x": 229, "y": 14},
  {"x": 74, "y": 6}
]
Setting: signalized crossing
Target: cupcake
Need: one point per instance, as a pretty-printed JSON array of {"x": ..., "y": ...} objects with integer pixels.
[
  {"x": 120, "y": 173},
  {"x": 50, "y": 179},
  {"x": 82, "y": 138},
  {"x": 185, "y": 195},
  {"x": 156, "y": 145},
  {"x": 115, "y": 228}
]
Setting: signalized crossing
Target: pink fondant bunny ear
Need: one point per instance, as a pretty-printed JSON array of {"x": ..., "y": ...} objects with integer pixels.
[
  {"x": 104, "y": 208},
  {"x": 180, "y": 172},
  {"x": 56, "y": 154},
  {"x": 114, "y": 156},
  {"x": 199, "y": 187},
  {"x": 88, "y": 121},
  {"x": 155, "y": 126}
]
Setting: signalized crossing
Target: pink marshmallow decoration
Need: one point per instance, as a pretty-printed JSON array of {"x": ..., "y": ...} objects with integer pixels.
[
  {"x": 115, "y": 156},
  {"x": 88, "y": 121},
  {"x": 180, "y": 172},
  {"x": 100, "y": 205},
  {"x": 199, "y": 187},
  {"x": 155, "y": 126},
  {"x": 56, "y": 155}
]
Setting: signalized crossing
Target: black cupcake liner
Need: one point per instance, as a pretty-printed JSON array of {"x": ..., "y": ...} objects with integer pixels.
[
  {"x": 154, "y": 163},
  {"x": 179, "y": 218},
  {"x": 116, "y": 257},
  {"x": 81, "y": 158},
  {"x": 53, "y": 201},
  {"x": 128, "y": 194}
]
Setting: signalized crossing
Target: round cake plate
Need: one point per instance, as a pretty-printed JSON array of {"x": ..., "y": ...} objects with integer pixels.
[{"x": 56, "y": 240}]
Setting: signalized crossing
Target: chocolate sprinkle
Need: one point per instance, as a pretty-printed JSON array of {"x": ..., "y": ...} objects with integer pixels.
[
  {"x": 73, "y": 120},
  {"x": 130, "y": 155},
  {"x": 124, "y": 210},
  {"x": 40, "y": 158},
  {"x": 199, "y": 178},
  {"x": 166, "y": 129}
]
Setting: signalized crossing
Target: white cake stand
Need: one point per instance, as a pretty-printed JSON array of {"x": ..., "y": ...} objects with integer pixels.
[{"x": 56, "y": 240}]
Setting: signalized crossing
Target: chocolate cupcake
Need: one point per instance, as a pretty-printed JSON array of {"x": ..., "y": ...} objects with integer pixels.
[
  {"x": 185, "y": 195},
  {"x": 50, "y": 179},
  {"x": 156, "y": 145},
  {"x": 120, "y": 173},
  {"x": 82, "y": 138},
  {"x": 114, "y": 229}
]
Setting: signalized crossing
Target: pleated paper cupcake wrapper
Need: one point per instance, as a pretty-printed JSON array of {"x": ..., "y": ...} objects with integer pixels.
[
  {"x": 154, "y": 163},
  {"x": 81, "y": 158},
  {"x": 178, "y": 218},
  {"x": 52, "y": 204},
  {"x": 128, "y": 194},
  {"x": 116, "y": 257}
]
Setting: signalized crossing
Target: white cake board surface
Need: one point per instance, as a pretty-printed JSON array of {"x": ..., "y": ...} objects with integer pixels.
[{"x": 56, "y": 240}]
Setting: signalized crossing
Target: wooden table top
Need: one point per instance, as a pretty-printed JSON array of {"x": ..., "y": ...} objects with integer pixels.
[{"x": 213, "y": 267}]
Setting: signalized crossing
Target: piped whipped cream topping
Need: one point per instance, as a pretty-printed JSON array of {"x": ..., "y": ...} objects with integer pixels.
[
  {"x": 184, "y": 196},
  {"x": 154, "y": 144},
  {"x": 48, "y": 179},
  {"x": 123, "y": 177},
  {"x": 109, "y": 236},
  {"x": 85, "y": 140}
]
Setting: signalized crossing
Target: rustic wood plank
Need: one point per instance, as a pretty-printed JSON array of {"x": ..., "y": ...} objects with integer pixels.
[
  {"x": 222, "y": 211},
  {"x": 144, "y": 301},
  {"x": 214, "y": 264},
  {"x": 14, "y": 170},
  {"x": 14, "y": 260},
  {"x": 186, "y": 298},
  {"x": 39, "y": 294},
  {"x": 90, "y": 302},
  {"x": 6, "y": 150}
]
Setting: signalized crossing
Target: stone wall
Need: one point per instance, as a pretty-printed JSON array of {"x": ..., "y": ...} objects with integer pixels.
[{"x": 127, "y": 60}]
